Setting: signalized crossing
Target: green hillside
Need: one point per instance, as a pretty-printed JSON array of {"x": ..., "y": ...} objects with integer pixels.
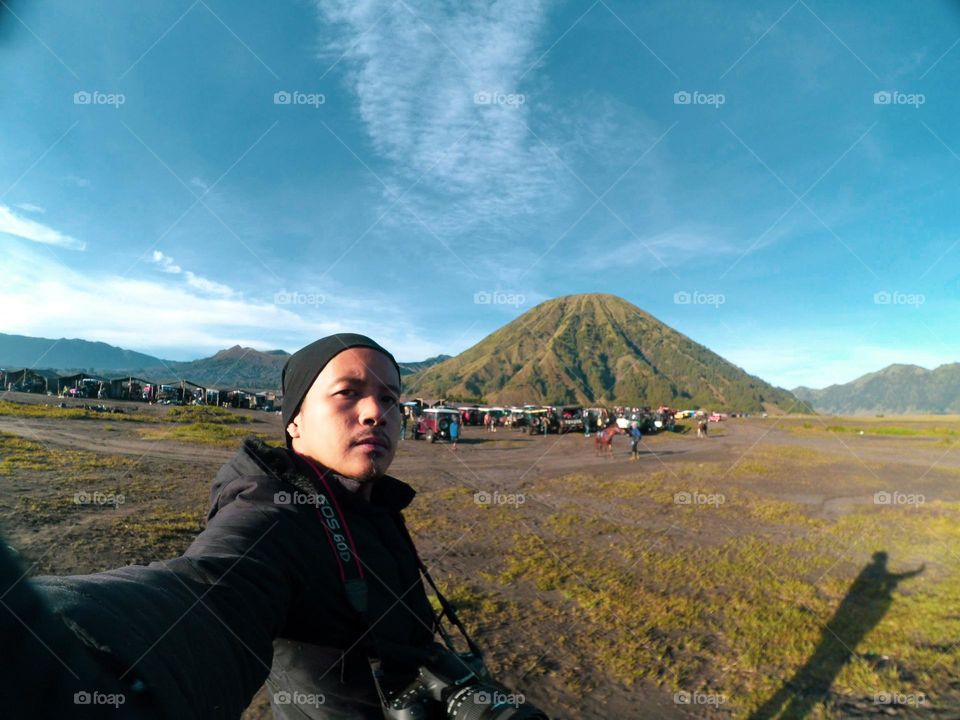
[
  {"x": 896, "y": 389},
  {"x": 596, "y": 349}
]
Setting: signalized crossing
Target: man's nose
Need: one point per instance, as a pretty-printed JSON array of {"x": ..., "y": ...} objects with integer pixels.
[{"x": 372, "y": 411}]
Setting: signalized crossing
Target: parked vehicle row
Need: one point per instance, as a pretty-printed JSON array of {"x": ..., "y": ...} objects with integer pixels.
[{"x": 433, "y": 423}]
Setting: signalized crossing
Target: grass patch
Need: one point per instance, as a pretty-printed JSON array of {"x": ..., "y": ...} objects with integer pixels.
[
  {"x": 71, "y": 413},
  {"x": 204, "y": 414},
  {"x": 18, "y": 454},
  {"x": 738, "y": 616},
  {"x": 876, "y": 427},
  {"x": 201, "y": 432},
  {"x": 48, "y": 510},
  {"x": 157, "y": 533}
]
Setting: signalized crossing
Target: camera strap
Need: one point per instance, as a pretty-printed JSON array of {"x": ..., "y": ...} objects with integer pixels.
[
  {"x": 335, "y": 525},
  {"x": 445, "y": 605},
  {"x": 341, "y": 542},
  {"x": 351, "y": 570},
  {"x": 337, "y": 529}
]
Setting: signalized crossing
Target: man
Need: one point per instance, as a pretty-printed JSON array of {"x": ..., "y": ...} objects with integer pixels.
[
  {"x": 454, "y": 432},
  {"x": 635, "y": 440},
  {"x": 261, "y": 591}
]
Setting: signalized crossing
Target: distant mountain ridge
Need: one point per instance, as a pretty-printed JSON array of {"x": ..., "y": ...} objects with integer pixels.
[
  {"x": 17, "y": 351},
  {"x": 896, "y": 389},
  {"x": 409, "y": 368},
  {"x": 597, "y": 349},
  {"x": 236, "y": 366}
]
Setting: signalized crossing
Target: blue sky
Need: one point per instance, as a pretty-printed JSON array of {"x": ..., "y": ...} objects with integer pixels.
[{"x": 777, "y": 180}]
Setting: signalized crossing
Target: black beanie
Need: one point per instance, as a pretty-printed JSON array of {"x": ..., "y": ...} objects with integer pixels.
[{"x": 305, "y": 364}]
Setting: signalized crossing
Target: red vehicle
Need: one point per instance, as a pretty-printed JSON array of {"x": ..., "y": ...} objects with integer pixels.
[{"x": 435, "y": 423}]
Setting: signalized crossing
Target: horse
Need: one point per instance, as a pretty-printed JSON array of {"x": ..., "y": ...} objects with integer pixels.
[{"x": 603, "y": 440}]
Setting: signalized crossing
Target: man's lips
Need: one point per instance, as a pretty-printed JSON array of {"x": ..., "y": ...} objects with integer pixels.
[{"x": 372, "y": 441}]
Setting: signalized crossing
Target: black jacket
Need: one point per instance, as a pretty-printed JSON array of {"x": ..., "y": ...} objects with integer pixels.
[{"x": 259, "y": 593}]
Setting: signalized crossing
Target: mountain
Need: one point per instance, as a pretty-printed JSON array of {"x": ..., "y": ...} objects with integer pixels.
[
  {"x": 19, "y": 351},
  {"x": 896, "y": 389},
  {"x": 409, "y": 368},
  {"x": 249, "y": 368},
  {"x": 601, "y": 349},
  {"x": 237, "y": 366}
]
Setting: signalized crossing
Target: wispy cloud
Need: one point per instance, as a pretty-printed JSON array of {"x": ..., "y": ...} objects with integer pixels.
[
  {"x": 44, "y": 298},
  {"x": 30, "y": 207},
  {"x": 674, "y": 247},
  {"x": 203, "y": 284},
  {"x": 77, "y": 181},
  {"x": 166, "y": 263},
  {"x": 439, "y": 93},
  {"x": 13, "y": 224}
]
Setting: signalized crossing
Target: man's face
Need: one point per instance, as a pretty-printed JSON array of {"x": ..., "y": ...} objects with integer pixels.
[{"x": 349, "y": 421}]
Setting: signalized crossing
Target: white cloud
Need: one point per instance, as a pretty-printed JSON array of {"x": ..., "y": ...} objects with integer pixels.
[
  {"x": 197, "y": 182},
  {"x": 13, "y": 224},
  {"x": 416, "y": 72},
  {"x": 166, "y": 262},
  {"x": 203, "y": 284},
  {"x": 672, "y": 248},
  {"x": 43, "y": 298},
  {"x": 30, "y": 207}
]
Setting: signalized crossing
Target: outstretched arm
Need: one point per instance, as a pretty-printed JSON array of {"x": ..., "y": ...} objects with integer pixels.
[{"x": 197, "y": 631}]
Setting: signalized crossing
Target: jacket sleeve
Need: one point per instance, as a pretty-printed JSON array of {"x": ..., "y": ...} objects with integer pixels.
[{"x": 199, "y": 629}]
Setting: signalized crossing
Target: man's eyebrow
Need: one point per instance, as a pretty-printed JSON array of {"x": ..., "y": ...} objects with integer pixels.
[{"x": 357, "y": 381}]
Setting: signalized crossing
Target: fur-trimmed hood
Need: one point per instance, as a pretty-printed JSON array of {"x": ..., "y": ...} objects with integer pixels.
[{"x": 280, "y": 469}]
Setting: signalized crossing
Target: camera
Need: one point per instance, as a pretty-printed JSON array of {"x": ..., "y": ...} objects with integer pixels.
[{"x": 457, "y": 686}]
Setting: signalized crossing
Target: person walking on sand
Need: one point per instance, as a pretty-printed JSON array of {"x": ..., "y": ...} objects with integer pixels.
[
  {"x": 454, "y": 432},
  {"x": 635, "y": 440}
]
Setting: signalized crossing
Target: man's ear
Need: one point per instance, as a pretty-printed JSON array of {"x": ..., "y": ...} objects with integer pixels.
[{"x": 293, "y": 429}]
